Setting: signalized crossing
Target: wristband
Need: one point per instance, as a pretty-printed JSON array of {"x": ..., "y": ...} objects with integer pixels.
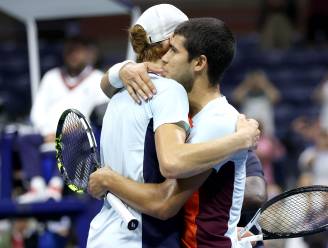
[{"x": 114, "y": 74}]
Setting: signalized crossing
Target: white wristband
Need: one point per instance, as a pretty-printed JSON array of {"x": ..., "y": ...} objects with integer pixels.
[{"x": 114, "y": 74}]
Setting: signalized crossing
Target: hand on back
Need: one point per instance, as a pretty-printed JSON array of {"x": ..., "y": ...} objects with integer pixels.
[
  {"x": 249, "y": 129},
  {"x": 137, "y": 81}
]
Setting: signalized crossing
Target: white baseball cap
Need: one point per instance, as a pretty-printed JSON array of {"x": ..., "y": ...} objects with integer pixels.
[{"x": 159, "y": 21}]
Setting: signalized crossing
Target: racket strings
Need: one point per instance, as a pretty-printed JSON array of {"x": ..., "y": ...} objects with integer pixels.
[
  {"x": 297, "y": 213},
  {"x": 77, "y": 155}
]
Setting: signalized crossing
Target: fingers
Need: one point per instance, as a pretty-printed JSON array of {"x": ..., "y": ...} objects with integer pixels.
[
  {"x": 249, "y": 128},
  {"x": 142, "y": 86},
  {"x": 96, "y": 187},
  {"x": 133, "y": 94},
  {"x": 137, "y": 80},
  {"x": 136, "y": 87},
  {"x": 147, "y": 86},
  {"x": 94, "y": 191},
  {"x": 242, "y": 117}
]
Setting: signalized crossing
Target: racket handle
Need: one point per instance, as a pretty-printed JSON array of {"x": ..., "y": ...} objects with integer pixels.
[
  {"x": 252, "y": 238},
  {"x": 250, "y": 224},
  {"x": 121, "y": 209}
]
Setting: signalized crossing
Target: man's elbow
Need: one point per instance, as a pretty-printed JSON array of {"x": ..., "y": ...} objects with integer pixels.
[
  {"x": 170, "y": 168},
  {"x": 166, "y": 213},
  {"x": 255, "y": 200},
  {"x": 259, "y": 198}
]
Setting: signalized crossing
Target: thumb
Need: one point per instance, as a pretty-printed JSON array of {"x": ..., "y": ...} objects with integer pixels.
[{"x": 241, "y": 117}]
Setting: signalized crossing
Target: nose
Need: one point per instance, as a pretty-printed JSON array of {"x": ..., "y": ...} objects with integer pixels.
[{"x": 165, "y": 57}]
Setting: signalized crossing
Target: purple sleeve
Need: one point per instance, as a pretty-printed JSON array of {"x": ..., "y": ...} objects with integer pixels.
[{"x": 253, "y": 165}]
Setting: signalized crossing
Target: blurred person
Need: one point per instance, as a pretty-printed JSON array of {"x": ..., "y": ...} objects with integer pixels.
[
  {"x": 300, "y": 135},
  {"x": 277, "y": 19},
  {"x": 257, "y": 95},
  {"x": 98, "y": 180},
  {"x": 55, "y": 233},
  {"x": 74, "y": 85},
  {"x": 269, "y": 150},
  {"x": 24, "y": 233},
  {"x": 5, "y": 233},
  {"x": 320, "y": 95},
  {"x": 313, "y": 162}
]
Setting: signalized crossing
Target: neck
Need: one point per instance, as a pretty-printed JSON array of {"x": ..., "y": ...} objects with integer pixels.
[
  {"x": 201, "y": 94},
  {"x": 74, "y": 72}
]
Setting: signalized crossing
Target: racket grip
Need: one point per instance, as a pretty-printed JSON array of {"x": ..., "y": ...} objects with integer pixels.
[
  {"x": 252, "y": 238},
  {"x": 121, "y": 209}
]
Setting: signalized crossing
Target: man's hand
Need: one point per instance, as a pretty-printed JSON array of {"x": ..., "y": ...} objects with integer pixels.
[
  {"x": 49, "y": 138},
  {"x": 98, "y": 182},
  {"x": 249, "y": 130},
  {"x": 137, "y": 81},
  {"x": 246, "y": 234}
]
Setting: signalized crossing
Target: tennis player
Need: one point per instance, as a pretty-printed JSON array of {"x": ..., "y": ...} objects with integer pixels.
[{"x": 157, "y": 236}]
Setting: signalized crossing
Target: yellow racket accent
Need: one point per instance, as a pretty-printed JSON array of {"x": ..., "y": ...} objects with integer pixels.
[
  {"x": 73, "y": 187},
  {"x": 59, "y": 164}
]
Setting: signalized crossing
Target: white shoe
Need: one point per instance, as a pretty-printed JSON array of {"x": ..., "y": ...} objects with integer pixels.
[
  {"x": 37, "y": 192},
  {"x": 55, "y": 188}
]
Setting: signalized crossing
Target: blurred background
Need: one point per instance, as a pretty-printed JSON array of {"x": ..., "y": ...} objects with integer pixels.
[{"x": 279, "y": 77}]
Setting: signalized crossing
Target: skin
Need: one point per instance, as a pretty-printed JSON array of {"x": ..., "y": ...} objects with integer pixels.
[
  {"x": 164, "y": 200},
  {"x": 255, "y": 193}
]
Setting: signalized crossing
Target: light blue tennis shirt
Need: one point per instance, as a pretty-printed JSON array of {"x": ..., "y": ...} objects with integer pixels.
[{"x": 128, "y": 147}]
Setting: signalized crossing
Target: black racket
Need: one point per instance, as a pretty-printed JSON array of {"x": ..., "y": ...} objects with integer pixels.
[
  {"x": 294, "y": 213},
  {"x": 77, "y": 158}
]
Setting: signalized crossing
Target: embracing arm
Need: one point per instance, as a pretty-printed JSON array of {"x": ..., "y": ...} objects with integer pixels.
[
  {"x": 161, "y": 201},
  {"x": 106, "y": 87},
  {"x": 180, "y": 160},
  {"x": 132, "y": 76}
]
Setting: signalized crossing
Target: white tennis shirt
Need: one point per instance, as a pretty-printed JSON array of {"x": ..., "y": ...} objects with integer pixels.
[
  {"x": 128, "y": 147},
  {"x": 54, "y": 96}
]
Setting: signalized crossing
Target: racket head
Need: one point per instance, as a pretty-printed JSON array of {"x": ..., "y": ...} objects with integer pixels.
[
  {"x": 76, "y": 150},
  {"x": 295, "y": 213}
]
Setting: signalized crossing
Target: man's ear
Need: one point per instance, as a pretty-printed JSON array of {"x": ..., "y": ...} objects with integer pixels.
[{"x": 200, "y": 63}]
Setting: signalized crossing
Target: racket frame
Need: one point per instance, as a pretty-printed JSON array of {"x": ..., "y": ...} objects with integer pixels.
[
  {"x": 131, "y": 222},
  {"x": 92, "y": 143},
  {"x": 268, "y": 235}
]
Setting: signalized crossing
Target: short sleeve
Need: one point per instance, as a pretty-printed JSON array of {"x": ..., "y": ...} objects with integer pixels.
[
  {"x": 170, "y": 105},
  {"x": 253, "y": 165}
]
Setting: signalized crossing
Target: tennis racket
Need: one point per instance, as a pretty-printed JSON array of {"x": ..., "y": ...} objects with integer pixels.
[
  {"x": 77, "y": 158},
  {"x": 294, "y": 213}
]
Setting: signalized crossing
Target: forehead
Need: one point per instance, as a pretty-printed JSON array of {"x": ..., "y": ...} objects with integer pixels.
[{"x": 177, "y": 41}]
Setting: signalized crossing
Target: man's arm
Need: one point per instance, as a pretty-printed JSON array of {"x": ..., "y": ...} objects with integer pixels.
[
  {"x": 161, "y": 201},
  {"x": 255, "y": 189},
  {"x": 180, "y": 160},
  {"x": 132, "y": 76},
  {"x": 106, "y": 87},
  {"x": 255, "y": 193}
]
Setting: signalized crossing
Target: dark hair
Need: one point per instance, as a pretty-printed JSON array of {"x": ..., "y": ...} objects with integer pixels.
[{"x": 212, "y": 38}]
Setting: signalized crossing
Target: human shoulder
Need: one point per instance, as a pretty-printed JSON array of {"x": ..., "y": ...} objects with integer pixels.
[
  {"x": 165, "y": 84},
  {"x": 51, "y": 76},
  {"x": 97, "y": 72},
  {"x": 52, "y": 72}
]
